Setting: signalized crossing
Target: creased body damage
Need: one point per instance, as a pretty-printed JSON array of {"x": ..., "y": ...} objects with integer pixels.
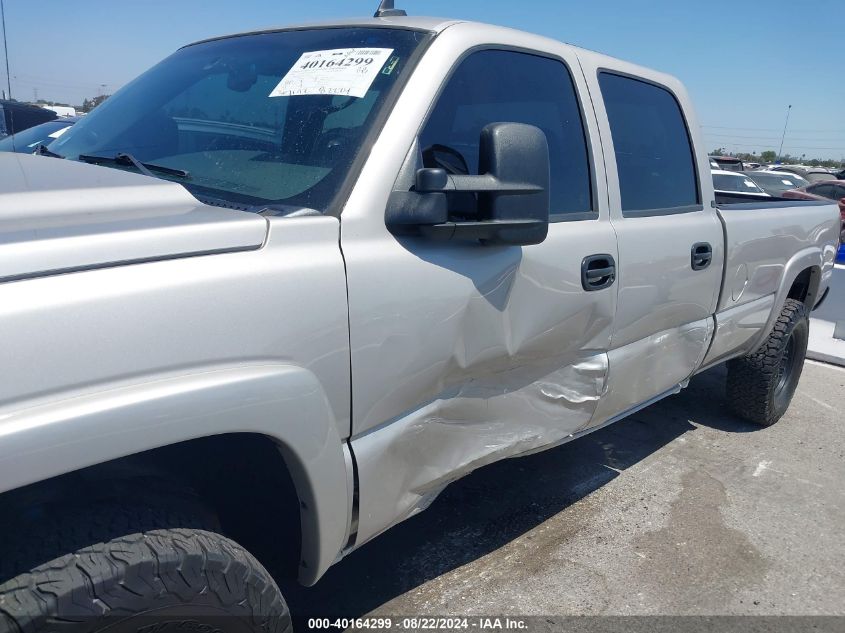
[
  {"x": 653, "y": 365},
  {"x": 407, "y": 463}
]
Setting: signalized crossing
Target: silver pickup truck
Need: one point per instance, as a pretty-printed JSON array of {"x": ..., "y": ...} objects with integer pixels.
[{"x": 274, "y": 295}]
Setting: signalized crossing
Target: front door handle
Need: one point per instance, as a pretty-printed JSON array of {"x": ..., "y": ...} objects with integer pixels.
[
  {"x": 702, "y": 255},
  {"x": 598, "y": 272}
]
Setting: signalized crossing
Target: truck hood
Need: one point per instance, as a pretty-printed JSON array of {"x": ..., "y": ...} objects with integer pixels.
[{"x": 61, "y": 215}]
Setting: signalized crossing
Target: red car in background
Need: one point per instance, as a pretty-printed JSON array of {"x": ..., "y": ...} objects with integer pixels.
[{"x": 825, "y": 190}]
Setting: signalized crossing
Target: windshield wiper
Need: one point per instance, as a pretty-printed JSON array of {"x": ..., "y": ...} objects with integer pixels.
[
  {"x": 43, "y": 150},
  {"x": 128, "y": 159}
]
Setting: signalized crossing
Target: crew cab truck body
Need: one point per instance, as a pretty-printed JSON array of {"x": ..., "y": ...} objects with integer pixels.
[{"x": 348, "y": 302}]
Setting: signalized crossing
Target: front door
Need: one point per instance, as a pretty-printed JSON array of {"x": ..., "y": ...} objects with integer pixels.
[{"x": 462, "y": 353}]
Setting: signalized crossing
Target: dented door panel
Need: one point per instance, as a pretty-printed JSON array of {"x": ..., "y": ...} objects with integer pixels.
[
  {"x": 491, "y": 352},
  {"x": 652, "y": 366},
  {"x": 406, "y": 464},
  {"x": 464, "y": 354}
]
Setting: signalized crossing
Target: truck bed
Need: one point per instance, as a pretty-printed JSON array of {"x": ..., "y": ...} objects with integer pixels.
[{"x": 766, "y": 240}]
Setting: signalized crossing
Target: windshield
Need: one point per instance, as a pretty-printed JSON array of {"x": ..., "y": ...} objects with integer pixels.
[
  {"x": 729, "y": 182},
  {"x": 271, "y": 118},
  {"x": 777, "y": 183},
  {"x": 28, "y": 140}
]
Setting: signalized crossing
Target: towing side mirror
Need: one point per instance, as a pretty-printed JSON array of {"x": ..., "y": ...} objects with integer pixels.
[{"x": 512, "y": 193}]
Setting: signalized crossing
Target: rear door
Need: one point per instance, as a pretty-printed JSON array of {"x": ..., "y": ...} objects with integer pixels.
[
  {"x": 462, "y": 353},
  {"x": 670, "y": 239}
]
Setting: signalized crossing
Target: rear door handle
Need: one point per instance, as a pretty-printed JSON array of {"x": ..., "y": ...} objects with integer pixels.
[
  {"x": 702, "y": 255},
  {"x": 598, "y": 272}
]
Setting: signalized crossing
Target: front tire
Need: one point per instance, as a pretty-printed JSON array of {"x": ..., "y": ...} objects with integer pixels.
[
  {"x": 161, "y": 580},
  {"x": 760, "y": 386}
]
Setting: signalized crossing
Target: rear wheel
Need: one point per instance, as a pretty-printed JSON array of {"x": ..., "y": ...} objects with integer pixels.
[
  {"x": 760, "y": 386},
  {"x": 154, "y": 580}
]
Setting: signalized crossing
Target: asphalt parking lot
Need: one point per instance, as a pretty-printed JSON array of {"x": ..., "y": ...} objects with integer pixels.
[{"x": 681, "y": 509}]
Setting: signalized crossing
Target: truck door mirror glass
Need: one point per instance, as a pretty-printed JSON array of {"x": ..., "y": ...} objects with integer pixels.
[{"x": 512, "y": 192}]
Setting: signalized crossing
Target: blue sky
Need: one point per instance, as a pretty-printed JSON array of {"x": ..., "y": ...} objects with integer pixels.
[{"x": 744, "y": 61}]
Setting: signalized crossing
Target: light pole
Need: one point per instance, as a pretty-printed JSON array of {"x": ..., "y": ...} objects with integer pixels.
[
  {"x": 5, "y": 48},
  {"x": 780, "y": 151}
]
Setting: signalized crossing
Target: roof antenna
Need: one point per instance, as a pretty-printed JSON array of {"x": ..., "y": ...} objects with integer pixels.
[{"x": 386, "y": 10}]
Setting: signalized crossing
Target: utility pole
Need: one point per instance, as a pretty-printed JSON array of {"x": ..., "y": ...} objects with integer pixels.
[
  {"x": 780, "y": 151},
  {"x": 5, "y": 48}
]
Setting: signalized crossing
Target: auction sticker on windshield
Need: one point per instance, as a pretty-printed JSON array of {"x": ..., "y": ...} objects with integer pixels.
[{"x": 342, "y": 71}]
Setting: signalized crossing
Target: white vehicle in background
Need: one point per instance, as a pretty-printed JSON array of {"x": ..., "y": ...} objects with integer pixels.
[
  {"x": 735, "y": 183},
  {"x": 61, "y": 110},
  {"x": 775, "y": 183}
]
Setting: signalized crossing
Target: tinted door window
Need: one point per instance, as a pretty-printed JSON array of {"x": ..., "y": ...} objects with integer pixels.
[
  {"x": 654, "y": 155},
  {"x": 502, "y": 86}
]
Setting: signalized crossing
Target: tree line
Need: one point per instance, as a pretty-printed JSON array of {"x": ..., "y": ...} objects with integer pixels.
[{"x": 770, "y": 156}]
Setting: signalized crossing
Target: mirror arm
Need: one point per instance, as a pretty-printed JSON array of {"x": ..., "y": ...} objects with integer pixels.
[
  {"x": 482, "y": 230},
  {"x": 490, "y": 184},
  {"x": 428, "y": 182}
]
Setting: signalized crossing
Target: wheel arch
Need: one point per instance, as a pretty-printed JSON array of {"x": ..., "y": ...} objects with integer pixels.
[
  {"x": 281, "y": 404},
  {"x": 801, "y": 280}
]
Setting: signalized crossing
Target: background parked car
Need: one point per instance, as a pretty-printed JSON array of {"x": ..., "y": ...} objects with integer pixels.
[
  {"x": 793, "y": 169},
  {"x": 820, "y": 175},
  {"x": 828, "y": 190},
  {"x": 15, "y": 117},
  {"x": 728, "y": 163},
  {"x": 27, "y": 141},
  {"x": 732, "y": 182},
  {"x": 775, "y": 183},
  {"x": 65, "y": 111}
]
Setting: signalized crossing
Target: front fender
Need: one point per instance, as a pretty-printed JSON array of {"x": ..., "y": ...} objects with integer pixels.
[{"x": 284, "y": 402}]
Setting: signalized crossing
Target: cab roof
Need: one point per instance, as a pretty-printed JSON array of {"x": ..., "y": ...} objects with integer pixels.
[
  {"x": 432, "y": 25},
  {"x": 435, "y": 26}
]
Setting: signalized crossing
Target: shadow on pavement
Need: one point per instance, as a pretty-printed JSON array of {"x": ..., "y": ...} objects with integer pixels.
[{"x": 494, "y": 505}]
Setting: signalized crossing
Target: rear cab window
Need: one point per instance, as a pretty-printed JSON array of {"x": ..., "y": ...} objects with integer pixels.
[{"x": 654, "y": 155}]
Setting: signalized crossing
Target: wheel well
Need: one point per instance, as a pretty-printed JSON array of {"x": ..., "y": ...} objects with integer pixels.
[
  {"x": 242, "y": 478},
  {"x": 805, "y": 286}
]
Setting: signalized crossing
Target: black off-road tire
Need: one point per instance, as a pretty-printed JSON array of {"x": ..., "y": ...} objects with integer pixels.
[
  {"x": 176, "y": 579},
  {"x": 760, "y": 386}
]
